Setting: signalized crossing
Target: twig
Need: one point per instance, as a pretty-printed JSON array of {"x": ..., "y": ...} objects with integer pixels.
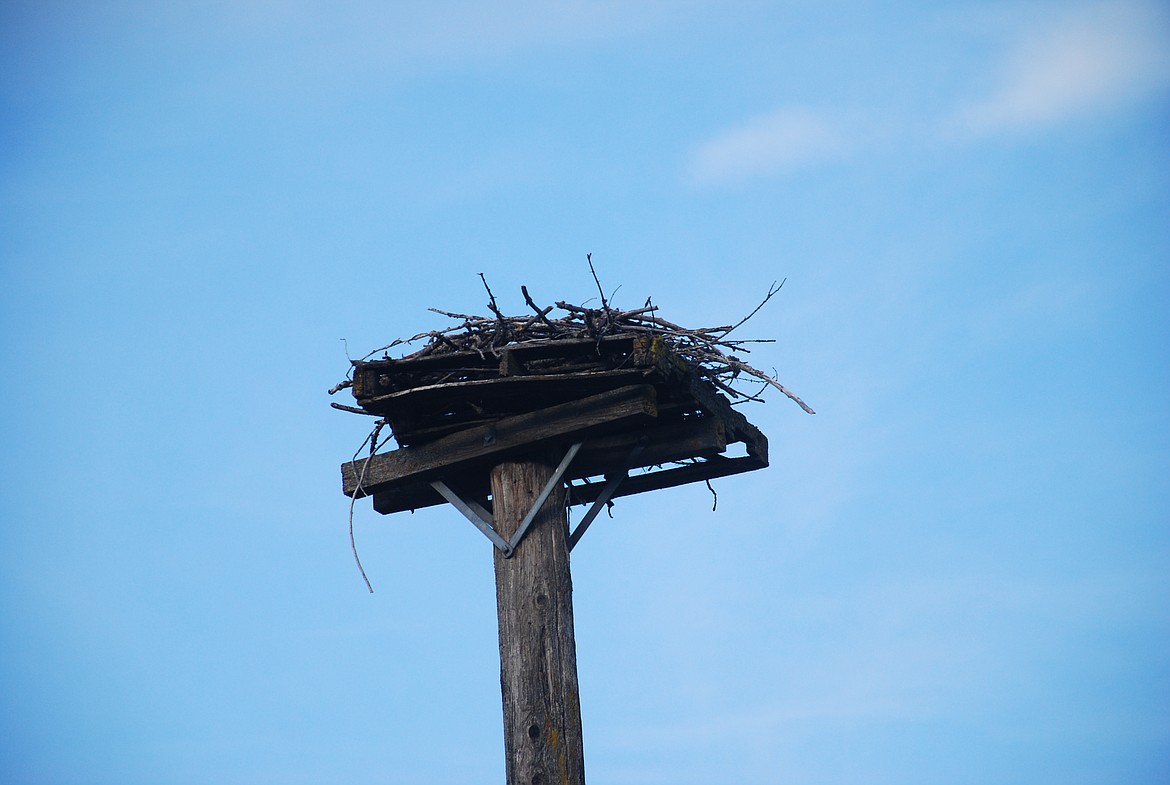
[
  {"x": 708, "y": 350},
  {"x": 604, "y": 303},
  {"x": 354, "y": 409},
  {"x": 500, "y": 337},
  {"x": 492, "y": 299},
  {"x": 372, "y": 438},
  {"x": 352, "y": 541},
  {"x": 452, "y": 315},
  {"x": 766, "y": 378},
  {"x": 771, "y": 291},
  {"x": 541, "y": 313}
]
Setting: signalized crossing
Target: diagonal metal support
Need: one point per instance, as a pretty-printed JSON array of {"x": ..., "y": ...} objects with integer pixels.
[
  {"x": 482, "y": 520},
  {"x": 606, "y": 494},
  {"x": 474, "y": 513},
  {"x": 548, "y": 488}
]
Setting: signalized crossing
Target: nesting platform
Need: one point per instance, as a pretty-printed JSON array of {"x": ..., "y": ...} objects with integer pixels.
[{"x": 637, "y": 410}]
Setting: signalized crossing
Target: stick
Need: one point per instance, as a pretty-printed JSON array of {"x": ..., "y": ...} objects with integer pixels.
[
  {"x": 766, "y": 378},
  {"x": 373, "y": 440},
  {"x": 604, "y": 304},
  {"x": 706, "y": 349},
  {"x": 354, "y": 409},
  {"x": 492, "y": 300},
  {"x": 541, "y": 313},
  {"x": 771, "y": 291}
]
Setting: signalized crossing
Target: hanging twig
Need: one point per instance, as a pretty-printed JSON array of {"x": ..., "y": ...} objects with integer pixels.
[{"x": 372, "y": 438}]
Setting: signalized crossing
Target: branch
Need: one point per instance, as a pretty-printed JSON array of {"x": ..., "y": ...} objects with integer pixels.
[
  {"x": 604, "y": 303},
  {"x": 771, "y": 291},
  {"x": 374, "y": 445},
  {"x": 542, "y": 313},
  {"x": 708, "y": 350},
  {"x": 742, "y": 366},
  {"x": 492, "y": 300},
  {"x": 354, "y": 409}
]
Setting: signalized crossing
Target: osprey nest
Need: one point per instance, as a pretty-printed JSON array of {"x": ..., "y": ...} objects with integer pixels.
[{"x": 580, "y": 348}]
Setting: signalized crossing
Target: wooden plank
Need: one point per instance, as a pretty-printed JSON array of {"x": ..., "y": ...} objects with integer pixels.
[
  {"x": 379, "y": 377},
  {"x": 711, "y": 401},
  {"x": 425, "y": 413},
  {"x": 669, "y": 478},
  {"x": 755, "y": 441},
  {"x": 535, "y": 350},
  {"x": 420, "y": 495},
  {"x": 431, "y": 432},
  {"x": 429, "y": 397},
  {"x": 665, "y": 443},
  {"x": 433, "y": 394},
  {"x": 737, "y": 425},
  {"x": 417, "y": 497},
  {"x": 495, "y": 441}
]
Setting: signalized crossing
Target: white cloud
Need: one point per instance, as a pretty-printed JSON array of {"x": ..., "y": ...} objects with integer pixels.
[
  {"x": 1089, "y": 59},
  {"x": 785, "y": 139}
]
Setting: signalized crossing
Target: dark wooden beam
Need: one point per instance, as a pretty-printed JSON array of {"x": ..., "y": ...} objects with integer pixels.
[
  {"x": 495, "y": 441},
  {"x": 664, "y": 444},
  {"x": 709, "y": 469},
  {"x": 435, "y": 397},
  {"x": 537, "y": 350}
]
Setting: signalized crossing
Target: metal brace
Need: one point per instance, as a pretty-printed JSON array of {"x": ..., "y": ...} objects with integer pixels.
[
  {"x": 606, "y": 494},
  {"x": 483, "y": 521}
]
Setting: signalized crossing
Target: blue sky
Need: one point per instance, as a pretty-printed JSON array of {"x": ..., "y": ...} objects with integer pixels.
[{"x": 955, "y": 572}]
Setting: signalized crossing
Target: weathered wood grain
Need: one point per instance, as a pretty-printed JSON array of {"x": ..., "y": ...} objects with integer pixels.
[
  {"x": 538, "y": 655},
  {"x": 520, "y": 393},
  {"x": 602, "y": 455},
  {"x": 524, "y": 431},
  {"x": 710, "y": 469}
]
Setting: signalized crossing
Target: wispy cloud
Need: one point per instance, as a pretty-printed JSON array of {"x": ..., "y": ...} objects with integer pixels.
[
  {"x": 769, "y": 144},
  {"x": 1060, "y": 62},
  {"x": 1090, "y": 58}
]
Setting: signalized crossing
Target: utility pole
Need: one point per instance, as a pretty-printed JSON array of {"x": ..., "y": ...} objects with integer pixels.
[
  {"x": 498, "y": 423},
  {"x": 538, "y": 652}
]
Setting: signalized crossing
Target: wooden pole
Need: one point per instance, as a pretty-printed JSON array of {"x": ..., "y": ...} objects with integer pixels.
[{"x": 538, "y": 653}]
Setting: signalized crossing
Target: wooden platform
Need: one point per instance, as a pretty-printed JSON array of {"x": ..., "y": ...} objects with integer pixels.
[
  {"x": 458, "y": 414},
  {"x": 428, "y": 397}
]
